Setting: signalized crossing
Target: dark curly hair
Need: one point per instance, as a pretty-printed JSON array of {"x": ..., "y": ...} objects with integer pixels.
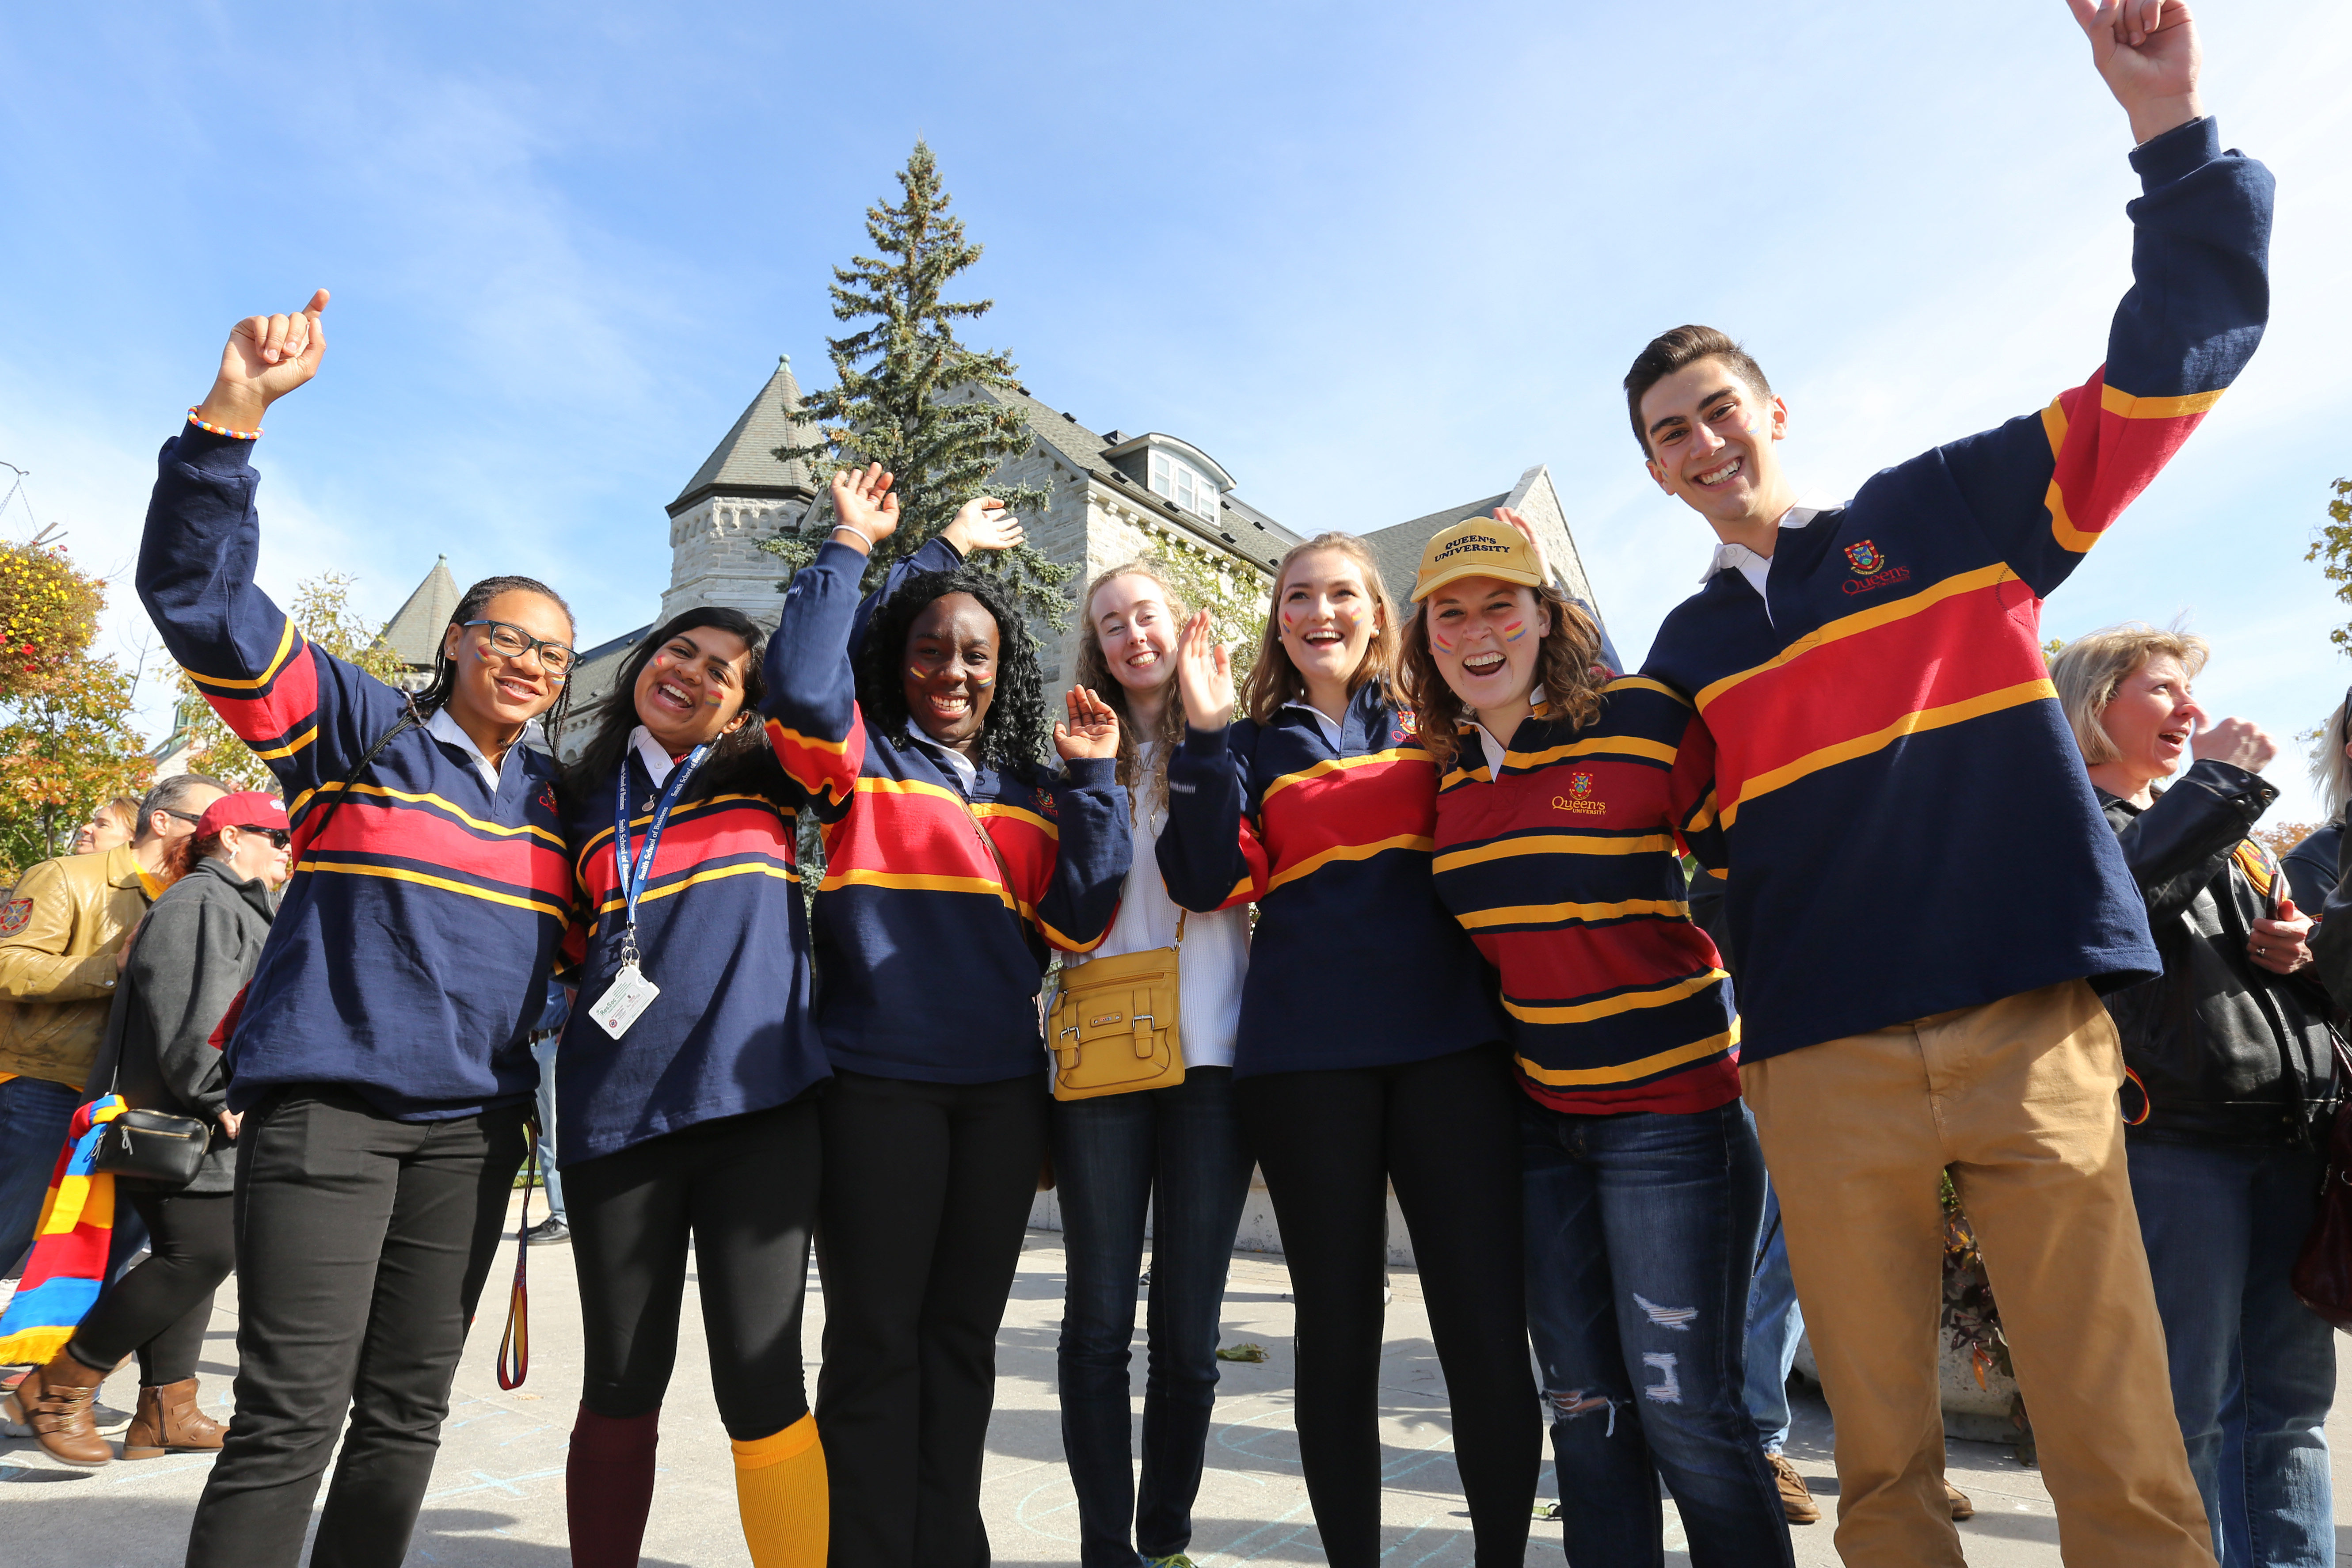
[
  {"x": 734, "y": 761},
  {"x": 1017, "y": 729}
]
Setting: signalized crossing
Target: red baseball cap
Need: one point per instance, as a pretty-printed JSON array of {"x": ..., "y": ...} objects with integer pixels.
[{"x": 245, "y": 808}]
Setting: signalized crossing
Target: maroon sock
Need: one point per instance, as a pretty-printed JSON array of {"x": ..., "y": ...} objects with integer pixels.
[{"x": 608, "y": 1487}]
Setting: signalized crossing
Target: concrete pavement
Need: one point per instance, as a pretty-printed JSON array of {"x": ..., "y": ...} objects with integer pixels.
[{"x": 498, "y": 1494}]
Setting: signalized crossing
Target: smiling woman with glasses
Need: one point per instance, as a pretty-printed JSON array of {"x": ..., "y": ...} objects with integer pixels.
[{"x": 383, "y": 1061}]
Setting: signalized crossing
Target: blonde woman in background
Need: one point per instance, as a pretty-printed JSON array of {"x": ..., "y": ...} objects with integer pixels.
[
  {"x": 108, "y": 825},
  {"x": 2311, "y": 865},
  {"x": 2230, "y": 1091},
  {"x": 1174, "y": 1154}
]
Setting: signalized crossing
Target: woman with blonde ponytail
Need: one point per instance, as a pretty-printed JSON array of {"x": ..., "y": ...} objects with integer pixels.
[{"x": 1175, "y": 1153}]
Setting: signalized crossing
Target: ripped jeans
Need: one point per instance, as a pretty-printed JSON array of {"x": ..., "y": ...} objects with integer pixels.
[{"x": 1641, "y": 1233}]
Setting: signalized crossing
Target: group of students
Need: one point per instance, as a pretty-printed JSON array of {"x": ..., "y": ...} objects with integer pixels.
[{"x": 1472, "y": 974}]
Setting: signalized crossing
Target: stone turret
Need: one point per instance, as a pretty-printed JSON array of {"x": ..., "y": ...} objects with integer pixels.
[{"x": 741, "y": 494}]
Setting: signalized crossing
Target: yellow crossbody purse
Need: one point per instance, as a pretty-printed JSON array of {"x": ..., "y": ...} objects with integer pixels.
[{"x": 1113, "y": 1029}]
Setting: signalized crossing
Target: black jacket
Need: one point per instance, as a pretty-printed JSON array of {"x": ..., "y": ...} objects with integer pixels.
[
  {"x": 2311, "y": 868},
  {"x": 2223, "y": 1052},
  {"x": 193, "y": 953}
]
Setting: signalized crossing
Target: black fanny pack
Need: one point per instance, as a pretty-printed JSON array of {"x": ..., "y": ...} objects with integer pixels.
[{"x": 153, "y": 1146}]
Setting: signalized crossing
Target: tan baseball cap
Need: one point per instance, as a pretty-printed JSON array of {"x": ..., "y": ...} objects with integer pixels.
[{"x": 1476, "y": 547}]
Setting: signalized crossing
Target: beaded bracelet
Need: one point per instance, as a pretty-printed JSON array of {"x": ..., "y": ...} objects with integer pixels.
[{"x": 223, "y": 430}]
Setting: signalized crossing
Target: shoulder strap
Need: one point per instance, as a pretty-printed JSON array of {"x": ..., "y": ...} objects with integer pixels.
[
  {"x": 1003, "y": 871},
  {"x": 413, "y": 719}
]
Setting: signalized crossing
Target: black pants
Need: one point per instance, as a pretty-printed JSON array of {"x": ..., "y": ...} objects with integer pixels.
[
  {"x": 1445, "y": 1133},
  {"x": 362, "y": 1247},
  {"x": 928, "y": 1188},
  {"x": 162, "y": 1307},
  {"x": 745, "y": 1189}
]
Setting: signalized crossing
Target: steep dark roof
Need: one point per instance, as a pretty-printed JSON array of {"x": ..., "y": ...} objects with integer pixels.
[
  {"x": 1398, "y": 547},
  {"x": 745, "y": 463},
  {"x": 414, "y": 633}
]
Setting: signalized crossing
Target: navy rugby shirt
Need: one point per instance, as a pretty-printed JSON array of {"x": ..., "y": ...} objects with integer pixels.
[
  {"x": 1355, "y": 963},
  {"x": 930, "y": 962},
  {"x": 1907, "y": 821},
  {"x": 408, "y": 957}
]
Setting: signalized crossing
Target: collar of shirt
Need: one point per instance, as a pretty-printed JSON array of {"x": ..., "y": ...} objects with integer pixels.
[
  {"x": 1738, "y": 558},
  {"x": 1495, "y": 748},
  {"x": 447, "y": 730},
  {"x": 966, "y": 769},
  {"x": 1323, "y": 721},
  {"x": 658, "y": 763}
]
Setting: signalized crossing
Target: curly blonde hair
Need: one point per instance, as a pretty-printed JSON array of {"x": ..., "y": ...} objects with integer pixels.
[
  {"x": 1094, "y": 672},
  {"x": 1568, "y": 668},
  {"x": 1275, "y": 680}
]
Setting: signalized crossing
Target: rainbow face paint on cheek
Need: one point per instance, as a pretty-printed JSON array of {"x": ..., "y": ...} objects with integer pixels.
[
  {"x": 1438, "y": 640},
  {"x": 1514, "y": 631},
  {"x": 983, "y": 681}
]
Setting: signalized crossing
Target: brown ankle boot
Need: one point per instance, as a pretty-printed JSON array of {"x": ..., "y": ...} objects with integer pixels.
[
  {"x": 170, "y": 1420},
  {"x": 60, "y": 1413}
]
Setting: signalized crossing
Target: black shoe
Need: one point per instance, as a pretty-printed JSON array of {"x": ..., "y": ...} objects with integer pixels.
[{"x": 548, "y": 1231}]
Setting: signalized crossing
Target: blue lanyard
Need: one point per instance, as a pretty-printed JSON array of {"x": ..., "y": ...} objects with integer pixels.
[{"x": 633, "y": 880}]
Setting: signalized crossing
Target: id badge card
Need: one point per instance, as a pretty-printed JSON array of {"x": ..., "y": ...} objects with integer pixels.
[{"x": 618, "y": 1008}]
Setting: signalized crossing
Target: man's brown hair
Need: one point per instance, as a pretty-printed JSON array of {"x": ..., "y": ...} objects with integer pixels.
[{"x": 1670, "y": 352}]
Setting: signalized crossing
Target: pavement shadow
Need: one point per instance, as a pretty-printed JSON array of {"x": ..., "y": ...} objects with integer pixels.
[{"x": 472, "y": 1535}]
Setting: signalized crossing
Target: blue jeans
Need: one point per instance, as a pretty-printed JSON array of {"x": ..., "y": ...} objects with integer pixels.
[
  {"x": 34, "y": 1116},
  {"x": 1179, "y": 1151},
  {"x": 544, "y": 1052},
  {"x": 1775, "y": 1326},
  {"x": 2253, "y": 1371},
  {"x": 1641, "y": 1238}
]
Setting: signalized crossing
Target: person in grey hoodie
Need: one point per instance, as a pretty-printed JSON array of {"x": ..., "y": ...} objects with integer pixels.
[{"x": 183, "y": 977}]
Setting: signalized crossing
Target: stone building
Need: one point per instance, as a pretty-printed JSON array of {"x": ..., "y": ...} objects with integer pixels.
[{"x": 1113, "y": 496}]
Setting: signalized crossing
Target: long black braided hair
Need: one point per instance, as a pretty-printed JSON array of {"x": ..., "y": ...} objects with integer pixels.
[
  {"x": 736, "y": 756},
  {"x": 1017, "y": 729},
  {"x": 469, "y": 608}
]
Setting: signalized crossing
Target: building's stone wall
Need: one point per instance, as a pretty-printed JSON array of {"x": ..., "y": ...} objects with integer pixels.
[{"x": 716, "y": 559}]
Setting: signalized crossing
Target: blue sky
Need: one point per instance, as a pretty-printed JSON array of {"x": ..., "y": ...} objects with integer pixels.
[{"x": 1376, "y": 260}]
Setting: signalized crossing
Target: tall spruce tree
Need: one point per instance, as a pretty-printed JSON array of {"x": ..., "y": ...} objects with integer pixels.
[{"x": 908, "y": 395}]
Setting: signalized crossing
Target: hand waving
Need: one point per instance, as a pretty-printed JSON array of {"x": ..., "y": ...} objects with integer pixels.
[
  {"x": 1204, "y": 677},
  {"x": 2149, "y": 52},
  {"x": 983, "y": 523},
  {"x": 1543, "y": 564},
  {"x": 1093, "y": 729},
  {"x": 863, "y": 506},
  {"x": 265, "y": 358}
]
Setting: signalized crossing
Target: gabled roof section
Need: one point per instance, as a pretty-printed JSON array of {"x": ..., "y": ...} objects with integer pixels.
[
  {"x": 1398, "y": 547},
  {"x": 414, "y": 633},
  {"x": 745, "y": 463}
]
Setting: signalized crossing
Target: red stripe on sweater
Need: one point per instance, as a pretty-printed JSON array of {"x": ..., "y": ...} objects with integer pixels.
[
  {"x": 291, "y": 703},
  {"x": 411, "y": 831},
  {"x": 1346, "y": 808}
]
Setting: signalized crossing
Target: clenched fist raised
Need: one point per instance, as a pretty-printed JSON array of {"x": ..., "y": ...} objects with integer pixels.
[{"x": 265, "y": 358}]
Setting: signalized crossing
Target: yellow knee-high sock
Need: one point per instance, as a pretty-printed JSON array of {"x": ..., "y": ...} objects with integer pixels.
[{"x": 780, "y": 1489}]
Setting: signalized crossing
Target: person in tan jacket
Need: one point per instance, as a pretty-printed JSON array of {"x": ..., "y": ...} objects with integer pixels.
[{"x": 60, "y": 932}]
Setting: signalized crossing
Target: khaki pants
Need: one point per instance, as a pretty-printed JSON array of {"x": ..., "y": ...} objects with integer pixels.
[{"x": 2018, "y": 1098}]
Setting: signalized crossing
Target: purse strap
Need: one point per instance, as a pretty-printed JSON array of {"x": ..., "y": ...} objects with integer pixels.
[
  {"x": 413, "y": 719},
  {"x": 514, "y": 1345}
]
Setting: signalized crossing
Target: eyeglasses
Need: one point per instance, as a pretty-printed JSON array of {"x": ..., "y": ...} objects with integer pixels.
[
  {"x": 183, "y": 816},
  {"x": 514, "y": 642},
  {"x": 279, "y": 837}
]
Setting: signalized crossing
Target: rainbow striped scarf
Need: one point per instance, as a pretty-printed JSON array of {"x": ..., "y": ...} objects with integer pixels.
[{"x": 69, "y": 1246}]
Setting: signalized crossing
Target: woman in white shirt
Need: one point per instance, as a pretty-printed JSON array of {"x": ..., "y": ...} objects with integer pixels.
[{"x": 1175, "y": 1154}]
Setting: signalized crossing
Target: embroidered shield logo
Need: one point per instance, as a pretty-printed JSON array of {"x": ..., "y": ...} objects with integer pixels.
[
  {"x": 1580, "y": 784},
  {"x": 1866, "y": 557},
  {"x": 14, "y": 915},
  {"x": 547, "y": 798}
]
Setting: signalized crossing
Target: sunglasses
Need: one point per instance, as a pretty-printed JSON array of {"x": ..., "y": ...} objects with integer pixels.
[{"x": 279, "y": 837}]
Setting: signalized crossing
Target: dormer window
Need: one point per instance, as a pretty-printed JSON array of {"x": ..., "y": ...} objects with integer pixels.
[{"x": 1183, "y": 485}]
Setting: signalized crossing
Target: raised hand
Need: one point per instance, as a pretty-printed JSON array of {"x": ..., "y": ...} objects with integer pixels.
[
  {"x": 1543, "y": 564},
  {"x": 863, "y": 507},
  {"x": 1092, "y": 730},
  {"x": 1204, "y": 676},
  {"x": 2240, "y": 742},
  {"x": 265, "y": 358},
  {"x": 2149, "y": 52},
  {"x": 983, "y": 523}
]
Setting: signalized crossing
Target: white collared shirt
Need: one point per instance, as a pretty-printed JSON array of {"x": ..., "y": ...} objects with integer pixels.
[
  {"x": 1748, "y": 563},
  {"x": 1496, "y": 749},
  {"x": 441, "y": 727},
  {"x": 658, "y": 763},
  {"x": 966, "y": 769},
  {"x": 1323, "y": 721}
]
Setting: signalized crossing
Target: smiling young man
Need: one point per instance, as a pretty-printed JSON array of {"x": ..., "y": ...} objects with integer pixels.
[{"x": 1922, "y": 902}]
